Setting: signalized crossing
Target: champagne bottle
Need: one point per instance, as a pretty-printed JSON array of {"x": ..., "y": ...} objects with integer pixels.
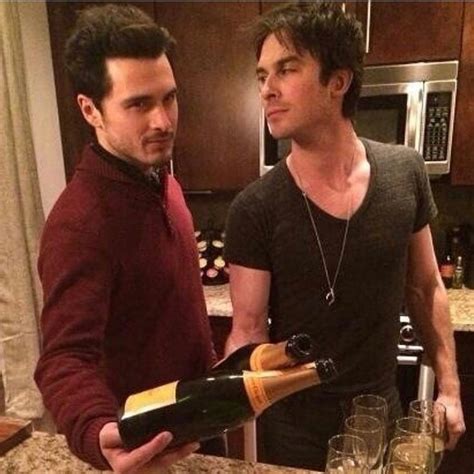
[
  {"x": 297, "y": 349},
  {"x": 205, "y": 407}
]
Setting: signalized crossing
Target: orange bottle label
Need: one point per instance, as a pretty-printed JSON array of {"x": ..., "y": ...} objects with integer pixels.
[
  {"x": 256, "y": 391},
  {"x": 255, "y": 361},
  {"x": 150, "y": 399},
  {"x": 446, "y": 271}
]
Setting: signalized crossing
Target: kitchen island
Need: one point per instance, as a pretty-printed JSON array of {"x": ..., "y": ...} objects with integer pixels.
[{"x": 48, "y": 454}]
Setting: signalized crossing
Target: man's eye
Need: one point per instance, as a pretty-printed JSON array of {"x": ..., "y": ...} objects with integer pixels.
[
  {"x": 261, "y": 79},
  {"x": 170, "y": 98},
  {"x": 140, "y": 104}
]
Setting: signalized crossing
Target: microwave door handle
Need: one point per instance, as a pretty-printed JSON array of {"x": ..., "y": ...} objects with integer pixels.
[
  {"x": 367, "y": 27},
  {"x": 413, "y": 129}
]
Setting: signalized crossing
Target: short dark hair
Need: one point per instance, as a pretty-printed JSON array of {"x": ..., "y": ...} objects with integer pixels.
[
  {"x": 110, "y": 31},
  {"x": 326, "y": 32}
]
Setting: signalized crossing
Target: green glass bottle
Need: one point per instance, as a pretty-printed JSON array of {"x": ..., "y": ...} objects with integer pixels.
[{"x": 202, "y": 408}]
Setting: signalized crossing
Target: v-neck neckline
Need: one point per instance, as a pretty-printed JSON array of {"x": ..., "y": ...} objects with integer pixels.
[{"x": 365, "y": 201}]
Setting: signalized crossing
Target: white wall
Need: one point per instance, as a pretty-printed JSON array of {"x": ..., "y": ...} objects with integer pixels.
[{"x": 42, "y": 101}]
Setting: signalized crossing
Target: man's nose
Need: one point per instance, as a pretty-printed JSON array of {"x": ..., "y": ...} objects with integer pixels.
[
  {"x": 160, "y": 118},
  {"x": 268, "y": 88}
]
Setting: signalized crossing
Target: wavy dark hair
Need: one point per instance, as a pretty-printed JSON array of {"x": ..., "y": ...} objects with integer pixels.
[
  {"x": 110, "y": 31},
  {"x": 330, "y": 35}
]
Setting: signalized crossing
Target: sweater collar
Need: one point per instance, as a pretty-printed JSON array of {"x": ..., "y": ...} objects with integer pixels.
[{"x": 98, "y": 159}]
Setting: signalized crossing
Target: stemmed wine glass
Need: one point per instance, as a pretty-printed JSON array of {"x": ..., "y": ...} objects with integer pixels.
[
  {"x": 417, "y": 427},
  {"x": 346, "y": 454},
  {"x": 435, "y": 413},
  {"x": 372, "y": 405},
  {"x": 415, "y": 451},
  {"x": 370, "y": 430}
]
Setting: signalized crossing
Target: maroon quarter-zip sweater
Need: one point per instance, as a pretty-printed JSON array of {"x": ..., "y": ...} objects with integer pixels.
[{"x": 123, "y": 303}]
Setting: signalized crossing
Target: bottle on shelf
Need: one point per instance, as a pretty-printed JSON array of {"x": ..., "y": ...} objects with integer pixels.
[
  {"x": 202, "y": 408},
  {"x": 458, "y": 277},
  {"x": 297, "y": 349},
  {"x": 446, "y": 269}
]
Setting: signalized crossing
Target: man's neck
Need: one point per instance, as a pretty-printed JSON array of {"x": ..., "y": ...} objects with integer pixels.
[{"x": 329, "y": 156}]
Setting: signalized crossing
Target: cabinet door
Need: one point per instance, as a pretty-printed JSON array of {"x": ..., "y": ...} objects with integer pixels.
[
  {"x": 75, "y": 132},
  {"x": 401, "y": 32},
  {"x": 462, "y": 170},
  {"x": 217, "y": 141}
]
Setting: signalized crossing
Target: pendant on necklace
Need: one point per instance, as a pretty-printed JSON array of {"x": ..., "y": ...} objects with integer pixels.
[{"x": 330, "y": 297}]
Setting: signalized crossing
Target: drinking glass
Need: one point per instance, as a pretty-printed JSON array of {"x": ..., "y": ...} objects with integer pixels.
[
  {"x": 345, "y": 465},
  {"x": 395, "y": 467},
  {"x": 370, "y": 430},
  {"x": 410, "y": 425},
  {"x": 435, "y": 413},
  {"x": 372, "y": 405},
  {"x": 412, "y": 450},
  {"x": 346, "y": 446}
]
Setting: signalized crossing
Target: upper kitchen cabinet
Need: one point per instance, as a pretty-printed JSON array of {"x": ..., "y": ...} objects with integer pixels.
[
  {"x": 75, "y": 132},
  {"x": 462, "y": 170},
  {"x": 402, "y": 32},
  {"x": 218, "y": 135}
]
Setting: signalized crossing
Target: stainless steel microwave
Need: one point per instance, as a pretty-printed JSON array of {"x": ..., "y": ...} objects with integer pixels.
[{"x": 410, "y": 104}]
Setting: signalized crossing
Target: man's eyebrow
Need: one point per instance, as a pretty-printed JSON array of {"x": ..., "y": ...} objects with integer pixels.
[
  {"x": 135, "y": 98},
  {"x": 280, "y": 63}
]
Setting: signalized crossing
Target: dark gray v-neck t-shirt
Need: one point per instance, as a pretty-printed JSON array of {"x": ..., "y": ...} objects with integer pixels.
[{"x": 268, "y": 228}]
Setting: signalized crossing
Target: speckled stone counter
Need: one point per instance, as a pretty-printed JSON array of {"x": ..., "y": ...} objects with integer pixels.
[
  {"x": 49, "y": 454},
  {"x": 461, "y": 304},
  {"x": 218, "y": 300}
]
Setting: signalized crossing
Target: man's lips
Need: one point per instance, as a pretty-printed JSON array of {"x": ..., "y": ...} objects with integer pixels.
[
  {"x": 273, "y": 112},
  {"x": 162, "y": 139}
]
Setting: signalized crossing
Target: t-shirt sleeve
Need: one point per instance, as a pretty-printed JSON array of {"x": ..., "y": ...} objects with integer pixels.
[
  {"x": 426, "y": 208},
  {"x": 247, "y": 235}
]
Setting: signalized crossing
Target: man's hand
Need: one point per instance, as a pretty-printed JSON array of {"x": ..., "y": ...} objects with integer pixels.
[
  {"x": 454, "y": 418},
  {"x": 129, "y": 462}
]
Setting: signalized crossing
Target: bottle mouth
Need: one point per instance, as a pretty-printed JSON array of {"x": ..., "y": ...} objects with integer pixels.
[{"x": 301, "y": 347}]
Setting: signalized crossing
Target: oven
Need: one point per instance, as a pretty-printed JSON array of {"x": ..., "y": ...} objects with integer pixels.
[{"x": 415, "y": 377}]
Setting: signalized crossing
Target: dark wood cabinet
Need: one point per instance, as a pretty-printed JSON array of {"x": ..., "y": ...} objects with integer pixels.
[
  {"x": 402, "y": 32},
  {"x": 461, "y": 460},
  {"x": 217, "y": 142},
  {"x": 462, "y": 171}
]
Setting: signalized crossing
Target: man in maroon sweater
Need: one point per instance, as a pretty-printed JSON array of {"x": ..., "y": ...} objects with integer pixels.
[{"x": 123, "y": 303}]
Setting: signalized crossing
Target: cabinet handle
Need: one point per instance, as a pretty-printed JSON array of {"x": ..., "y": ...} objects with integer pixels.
[{"x": 367, "y": 27}]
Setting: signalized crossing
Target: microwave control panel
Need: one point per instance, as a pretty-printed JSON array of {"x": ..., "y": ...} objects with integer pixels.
[{"x": 438, "y": 111}]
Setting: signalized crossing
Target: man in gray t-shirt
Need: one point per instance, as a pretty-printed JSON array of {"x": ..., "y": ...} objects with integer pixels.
[{"x": 334, "y": 239}]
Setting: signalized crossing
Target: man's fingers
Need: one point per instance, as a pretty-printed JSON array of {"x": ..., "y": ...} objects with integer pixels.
[
  {"x": 144, "y": 454},
  {"x": 173, "y": 456},
  {"x": 454, "y": 435}
]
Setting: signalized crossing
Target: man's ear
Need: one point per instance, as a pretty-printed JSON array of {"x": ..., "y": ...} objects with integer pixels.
[
  {"x": 90, "y": 112},
  {"x": 340, "y": 81}
]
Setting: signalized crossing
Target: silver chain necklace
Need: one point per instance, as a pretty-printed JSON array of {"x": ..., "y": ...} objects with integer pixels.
[{"x": 330, "y": 296}]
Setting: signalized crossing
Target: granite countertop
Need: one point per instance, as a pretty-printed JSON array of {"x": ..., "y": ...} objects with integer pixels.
[
  {"x": 45, "y": 453},
  {"x": 218, "y": 300},
  {"x": 461, "y": 306},
  {"x": 461, "y": 303}
]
